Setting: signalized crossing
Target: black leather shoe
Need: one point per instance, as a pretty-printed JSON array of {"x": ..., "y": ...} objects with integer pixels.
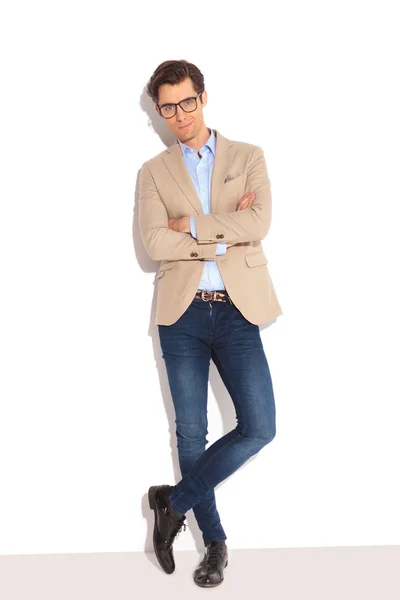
[
  {"x": 210, "y": 571},
  {"x": 167, "y": 525}
]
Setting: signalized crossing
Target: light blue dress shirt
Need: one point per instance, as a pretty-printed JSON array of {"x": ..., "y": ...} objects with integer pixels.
[{"x": 200, "y": 170}]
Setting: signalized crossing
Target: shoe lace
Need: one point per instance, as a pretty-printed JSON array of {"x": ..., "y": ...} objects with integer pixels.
[
  {"x": 175, "y": 530},
  {"x": 213, "y": 557}
]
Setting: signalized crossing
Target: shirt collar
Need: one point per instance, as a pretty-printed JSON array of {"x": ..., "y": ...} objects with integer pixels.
[{"x": 210, "y": 143}]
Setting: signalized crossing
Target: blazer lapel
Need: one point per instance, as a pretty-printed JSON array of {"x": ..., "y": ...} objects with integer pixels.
[{"x": 224, "y": 154}]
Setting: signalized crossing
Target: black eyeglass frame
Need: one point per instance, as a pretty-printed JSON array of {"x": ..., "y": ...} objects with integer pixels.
[{"x": 180, "y": 104}]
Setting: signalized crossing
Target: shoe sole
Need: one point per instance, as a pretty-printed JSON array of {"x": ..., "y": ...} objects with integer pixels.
[
  {"x": 206, "y": 585},
  {"x": 152, "y": 503}
]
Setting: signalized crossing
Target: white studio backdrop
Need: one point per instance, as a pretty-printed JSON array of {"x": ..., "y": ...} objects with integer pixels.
[{"x": 87, "y": 423}]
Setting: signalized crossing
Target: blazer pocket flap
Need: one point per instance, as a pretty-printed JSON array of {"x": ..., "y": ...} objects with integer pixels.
[
  {"x": 256, "y": 258},
  {"x": 164, "y": 267}
]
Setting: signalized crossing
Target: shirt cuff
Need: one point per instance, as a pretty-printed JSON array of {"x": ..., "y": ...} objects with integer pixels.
[
  {"x": 221, "y": 248},
  {"x": 192, "y": 226}
]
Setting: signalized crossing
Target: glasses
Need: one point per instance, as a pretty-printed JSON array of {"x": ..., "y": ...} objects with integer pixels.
[{"x": 188, "y": 105}]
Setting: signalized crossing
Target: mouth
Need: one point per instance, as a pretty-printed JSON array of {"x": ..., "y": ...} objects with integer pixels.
[{"x": 185, "y": 127}]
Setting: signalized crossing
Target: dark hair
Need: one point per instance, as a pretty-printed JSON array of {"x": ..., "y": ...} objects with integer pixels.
[{"x": 173, "y": 72}]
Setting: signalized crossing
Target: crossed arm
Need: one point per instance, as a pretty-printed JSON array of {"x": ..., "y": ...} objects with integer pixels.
[
  {"x": 248, "y": 225},
  {"x": 161, "y": 242},
  {"x": 164, "y": 243}
]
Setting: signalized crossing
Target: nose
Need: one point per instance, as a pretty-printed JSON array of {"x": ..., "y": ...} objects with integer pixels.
[{"x": 180, "y": 113}]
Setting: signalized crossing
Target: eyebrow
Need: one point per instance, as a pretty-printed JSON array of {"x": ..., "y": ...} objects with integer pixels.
[{"x": 169, "y": 103}]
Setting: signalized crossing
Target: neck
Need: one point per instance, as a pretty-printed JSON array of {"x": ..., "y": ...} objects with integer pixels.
[{"x": 198, "y": 140}]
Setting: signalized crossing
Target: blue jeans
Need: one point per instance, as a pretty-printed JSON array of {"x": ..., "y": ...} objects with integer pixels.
[{"x": 219, "y": 331}]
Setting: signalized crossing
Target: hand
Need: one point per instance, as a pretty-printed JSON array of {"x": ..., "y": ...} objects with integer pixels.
[
  {"x": 182, "y": 224},
  {"x": 245, "y": 202}
]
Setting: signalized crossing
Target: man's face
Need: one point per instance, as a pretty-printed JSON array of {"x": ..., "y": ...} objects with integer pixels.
[{"x": 185, "y": 125}]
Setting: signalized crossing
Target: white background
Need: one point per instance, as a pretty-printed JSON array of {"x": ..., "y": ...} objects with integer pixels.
[{"x": 87, "y": 423}]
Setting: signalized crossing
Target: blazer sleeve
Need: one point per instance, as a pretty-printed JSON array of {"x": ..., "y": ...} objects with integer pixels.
[
  {"x": 221, "y": 246},
  {"x": 161, "y": 242},
  {"x": 251, "y": 224}
]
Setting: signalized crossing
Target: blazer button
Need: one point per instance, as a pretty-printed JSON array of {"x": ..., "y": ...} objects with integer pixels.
[
  {"x": 218, "y": 236},
  {"x": 193, "y": 254},
  {"x": 221, "y": 235}
]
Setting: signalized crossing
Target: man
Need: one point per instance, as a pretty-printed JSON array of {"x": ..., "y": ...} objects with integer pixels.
[{"x": 204, "y": 207}]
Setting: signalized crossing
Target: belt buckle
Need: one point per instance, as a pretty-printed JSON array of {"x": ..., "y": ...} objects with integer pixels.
[{"x": 206, "y": 295}]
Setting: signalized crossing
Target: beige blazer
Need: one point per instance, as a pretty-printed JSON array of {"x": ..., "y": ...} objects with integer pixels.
[{"x": 166, "y": 191}]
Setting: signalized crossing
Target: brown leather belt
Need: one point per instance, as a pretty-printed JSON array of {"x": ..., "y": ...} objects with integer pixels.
[{"x": 218, "y": 296}]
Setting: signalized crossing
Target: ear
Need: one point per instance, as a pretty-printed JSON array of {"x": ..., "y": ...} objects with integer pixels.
[
  {"x": 157, "y": 110},
  {"x": 204, "y": 98}
]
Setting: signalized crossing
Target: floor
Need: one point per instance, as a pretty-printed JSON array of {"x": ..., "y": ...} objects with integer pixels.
[{"x": 340, "y": 573}]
